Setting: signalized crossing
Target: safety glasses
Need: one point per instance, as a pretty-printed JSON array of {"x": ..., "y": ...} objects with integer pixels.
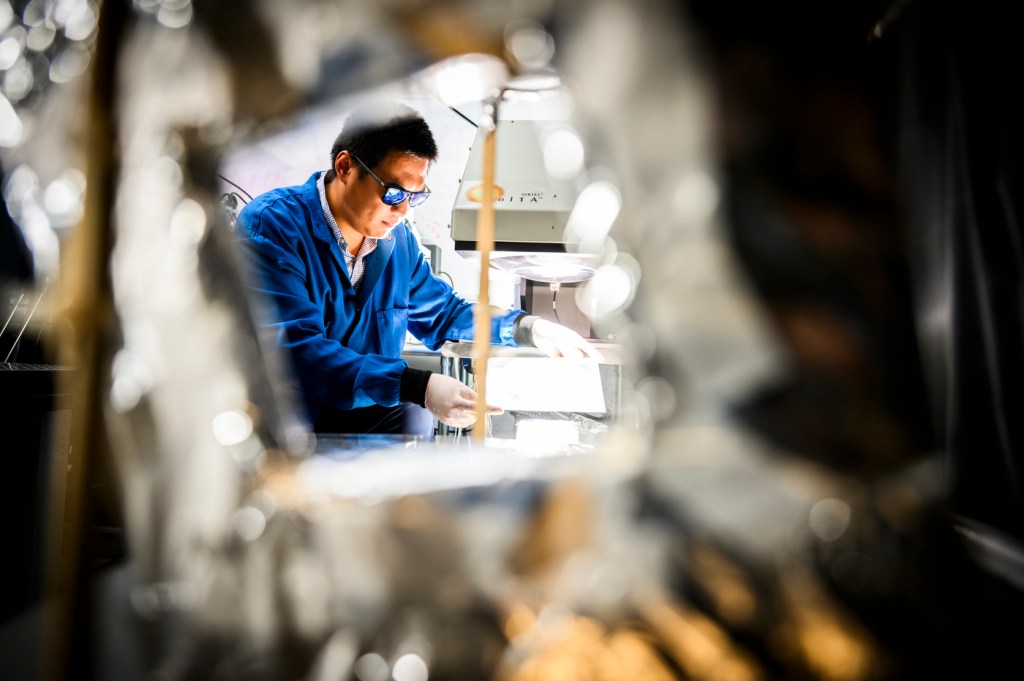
[{"x": 393, "y": 194}]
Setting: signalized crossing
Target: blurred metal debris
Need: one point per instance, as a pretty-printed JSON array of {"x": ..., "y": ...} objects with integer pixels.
[{"x": 715, "y": 533}]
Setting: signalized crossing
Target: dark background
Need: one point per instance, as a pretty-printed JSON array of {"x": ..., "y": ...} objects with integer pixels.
[{"x": 873, "y": 158}]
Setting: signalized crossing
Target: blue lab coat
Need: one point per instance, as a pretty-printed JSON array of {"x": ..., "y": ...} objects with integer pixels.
[{"x": 345, "y": 346}]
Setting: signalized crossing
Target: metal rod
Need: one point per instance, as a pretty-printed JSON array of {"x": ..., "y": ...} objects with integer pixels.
[
  {"x": 464, "y": 117},
  {"x": 27, "y": 320},
  {"x": 11, "y": 316}
]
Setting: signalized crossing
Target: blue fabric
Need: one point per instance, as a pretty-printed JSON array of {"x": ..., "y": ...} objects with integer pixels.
[{"x": 345, "y": 345}]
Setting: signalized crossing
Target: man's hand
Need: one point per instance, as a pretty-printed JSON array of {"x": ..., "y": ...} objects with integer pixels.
[
  {"x": 555, "y": 340},
  {"x": 452, "y": 401}
]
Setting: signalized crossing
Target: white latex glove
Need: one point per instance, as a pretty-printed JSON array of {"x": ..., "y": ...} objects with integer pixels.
[
  {"x": 555, "y": 340},
  {"x": 452, "y": 401}
]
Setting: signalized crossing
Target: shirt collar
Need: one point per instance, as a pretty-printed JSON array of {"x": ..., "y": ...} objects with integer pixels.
[{"x": 321, "y": 188}]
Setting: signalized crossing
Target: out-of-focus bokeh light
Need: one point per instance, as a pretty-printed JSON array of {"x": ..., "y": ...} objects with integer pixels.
[
  {"x": 640, "y": 339},
  {"x": 170, "y": 13},
  {"x": 831, "y": 645},
  {"x": 46, "y": 43},
  {"x": 518, "y": 622},
  {"x": 660, "y": 395},
  {"x": 131, "y": 380},
  {"x": 829, "y": 519},
  {"x": 40, "y": 37},
  {"x": 63, "y": 198},
  {"x": 188, "y": 224},
  {"x": 249, "y": 523},
  {"x": 24, "y": 199},
  {"x": 38, "y": 231},
  {"x": 635, "y": 410},
  {"x": 6, "y": 14},
  {"x": 152, "y": 600},
  {"x": 410, "y": 667},
  {"x": 592, "y": 216},
  {"x": 175, "y": 15},
  {"x": 78, "y": 17},
  {"x": 611, "y": 289},
  {"x": 371, "y": 667},
  {"x": 10, "y": 124},
  {"x": 42, "y": 212},
  {"x": 467, "y": 78},
  {"x": 529, "y": 44},
  {"x": 166, "y": 174},
  {"x": 34, "y": 13},
  {"x": 232, "y": 427},
  {"x": 18, "y": 80},
  {"x": 21, "y": 183},
  {"x": 10, "y": 51},
  {"x": 696, "y": 196},
  {"x": 68, "y": 64},
  {"x": 563, "y": 154}
]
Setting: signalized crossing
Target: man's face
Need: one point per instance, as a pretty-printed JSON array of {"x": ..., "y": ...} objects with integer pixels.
[{"x": 361, "y": 204}]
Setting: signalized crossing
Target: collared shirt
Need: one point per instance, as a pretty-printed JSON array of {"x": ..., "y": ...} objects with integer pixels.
[{"x": 356, "y": 263}]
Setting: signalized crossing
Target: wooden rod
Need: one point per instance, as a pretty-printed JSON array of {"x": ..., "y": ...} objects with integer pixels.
[
  {"x": 86, "y": 323},
  {"x": 485, "y": 244}
]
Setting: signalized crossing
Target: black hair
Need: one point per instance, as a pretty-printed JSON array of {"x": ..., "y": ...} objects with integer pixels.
[{"x": 374, "y": 130}]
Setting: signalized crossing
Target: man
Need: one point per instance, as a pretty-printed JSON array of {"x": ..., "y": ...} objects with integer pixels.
[{"x": 348, "y": 279}]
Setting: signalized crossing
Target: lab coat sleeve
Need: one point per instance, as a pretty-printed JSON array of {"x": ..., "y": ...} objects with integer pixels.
[
  {"x": 437, "y": 313},
  {"x": 329, "y": 373}
]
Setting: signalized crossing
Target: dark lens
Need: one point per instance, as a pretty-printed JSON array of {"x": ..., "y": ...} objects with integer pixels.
[
  {"x": 417, "y": 198},
  {"x": 393, "y": 197}
]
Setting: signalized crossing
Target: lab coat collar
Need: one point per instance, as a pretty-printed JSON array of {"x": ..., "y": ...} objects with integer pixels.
[
  {"x": 375, "y": 264},
  {"x": 311, "y": 195},
  {"x": 321, "y": 230}
]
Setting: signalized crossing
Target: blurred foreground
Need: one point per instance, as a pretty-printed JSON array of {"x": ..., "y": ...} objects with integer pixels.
[{"x": 816, "y": 475}]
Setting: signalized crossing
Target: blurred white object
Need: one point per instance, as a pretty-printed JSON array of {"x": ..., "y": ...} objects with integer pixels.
[
  {"x": 545, "y": 384},
  {"x": 555, "y": 340},
  {"x": 465, "y": 78},
  {"x": 547, "y": 433}
]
